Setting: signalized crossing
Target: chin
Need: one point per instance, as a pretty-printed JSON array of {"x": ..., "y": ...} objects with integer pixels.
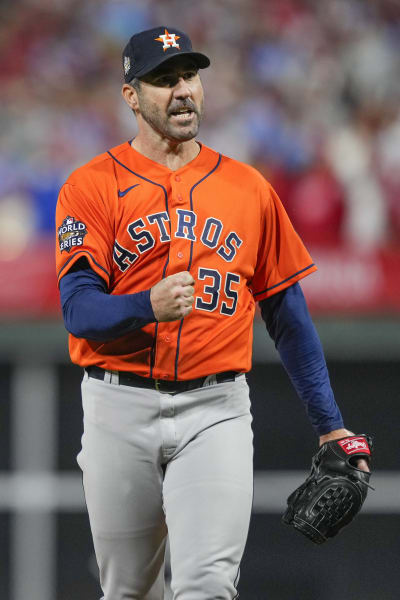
[
  {"x": 184, "y": 138},
  {"x": 184, "y": 135}
]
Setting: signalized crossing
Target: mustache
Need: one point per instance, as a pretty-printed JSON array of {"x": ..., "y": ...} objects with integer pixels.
[{"x": 186, "y": 104}]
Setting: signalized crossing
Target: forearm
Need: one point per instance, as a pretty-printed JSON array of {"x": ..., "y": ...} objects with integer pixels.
[
  {"x": 290, "y": 326},
  {"x": 305, "y": 364},
  {"x": 89, "y": 312}
]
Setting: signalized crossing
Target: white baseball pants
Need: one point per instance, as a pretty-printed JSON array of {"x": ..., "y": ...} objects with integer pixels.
[{"x": 156, "y": 464}]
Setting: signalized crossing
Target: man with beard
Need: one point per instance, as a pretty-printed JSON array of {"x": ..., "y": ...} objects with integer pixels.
[{"x": 164, "y": 246}]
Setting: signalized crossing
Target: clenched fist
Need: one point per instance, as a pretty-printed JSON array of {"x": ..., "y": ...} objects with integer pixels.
[{"x": 172, "y": 297}]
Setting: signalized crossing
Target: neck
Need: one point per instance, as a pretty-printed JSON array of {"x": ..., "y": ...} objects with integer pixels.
[{"x": 171, "y": 154}]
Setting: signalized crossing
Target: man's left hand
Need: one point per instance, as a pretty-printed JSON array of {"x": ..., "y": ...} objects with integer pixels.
[{"x": 341, "y": 433}]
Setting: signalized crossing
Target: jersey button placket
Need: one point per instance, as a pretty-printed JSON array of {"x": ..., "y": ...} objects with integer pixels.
[
  {"x": 179, "y": 253},
  {"x": 178, "y": 246}
]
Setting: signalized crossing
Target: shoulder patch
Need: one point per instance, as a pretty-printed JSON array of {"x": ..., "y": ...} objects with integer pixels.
[{"x": 71, "y": 233}]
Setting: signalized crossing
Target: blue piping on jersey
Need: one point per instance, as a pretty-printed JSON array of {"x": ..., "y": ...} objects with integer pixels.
[
  {"x": 82, "y": 252},
  {"x": 284, "y": 280},
  {"x": 191, "y": 202},
  {"x": 154, "y": 345},
  {"x": 191, "y": 258},
  {"x": 142, "y": 177}
]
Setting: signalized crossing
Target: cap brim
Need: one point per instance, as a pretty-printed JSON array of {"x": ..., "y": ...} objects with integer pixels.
[{"x": 201, "y": 60}]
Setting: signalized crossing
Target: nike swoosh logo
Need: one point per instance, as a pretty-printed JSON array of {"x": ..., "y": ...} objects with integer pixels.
[{"x": 124, "y": 192}]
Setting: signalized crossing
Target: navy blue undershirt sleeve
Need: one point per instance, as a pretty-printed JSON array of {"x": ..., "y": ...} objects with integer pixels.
[
  {"x": 290, "y": 326},
  {"x": 90, "y": 312}
]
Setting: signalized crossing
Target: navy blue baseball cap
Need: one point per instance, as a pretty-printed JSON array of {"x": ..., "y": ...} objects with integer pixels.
[{"x": 148, "y": 49}]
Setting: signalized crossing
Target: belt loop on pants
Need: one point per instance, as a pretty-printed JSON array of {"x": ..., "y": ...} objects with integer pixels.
[
  {"x": 210, "y": 380},
  {"x": 115, "y": 377},
  {"x": 110, "y": 377}
]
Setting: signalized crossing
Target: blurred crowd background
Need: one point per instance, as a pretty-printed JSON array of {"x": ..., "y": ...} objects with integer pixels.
[{"x": 307, "y": 91}]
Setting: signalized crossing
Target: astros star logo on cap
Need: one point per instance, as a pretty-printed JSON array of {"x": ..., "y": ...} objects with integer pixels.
[{"x": 169, "y": 40}]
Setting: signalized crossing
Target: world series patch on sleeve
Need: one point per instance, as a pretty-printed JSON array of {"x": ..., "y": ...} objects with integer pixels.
[
  {"x": 335, "y": 490},
  {"x": 71, "y": 233}
]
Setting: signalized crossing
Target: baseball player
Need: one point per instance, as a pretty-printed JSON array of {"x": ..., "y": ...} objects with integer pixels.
[{"x": 163, "y": 248}]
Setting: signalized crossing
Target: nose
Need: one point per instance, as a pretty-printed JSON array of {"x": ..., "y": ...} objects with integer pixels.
[{"x": 182, "y": 89}]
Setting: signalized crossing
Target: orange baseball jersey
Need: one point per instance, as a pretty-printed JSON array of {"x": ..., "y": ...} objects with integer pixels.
[{"x": 136, "y": 221}]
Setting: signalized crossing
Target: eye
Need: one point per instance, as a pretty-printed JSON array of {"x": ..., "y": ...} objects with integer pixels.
[
  {"x": 189, "y": 75},
  {"x": 166, "y": 81}
]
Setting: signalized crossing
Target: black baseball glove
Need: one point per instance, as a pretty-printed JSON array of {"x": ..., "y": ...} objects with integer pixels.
[{"x": 335, "y": 490}]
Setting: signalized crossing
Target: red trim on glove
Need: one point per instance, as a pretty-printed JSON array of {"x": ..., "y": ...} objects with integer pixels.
[{"x": 352, "y": 445}]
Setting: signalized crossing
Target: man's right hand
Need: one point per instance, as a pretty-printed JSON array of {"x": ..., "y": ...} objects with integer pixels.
[{"x": 172, "y": 297}]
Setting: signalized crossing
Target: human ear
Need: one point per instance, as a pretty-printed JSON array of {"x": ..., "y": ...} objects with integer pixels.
[{"x": 130, "y": 96}]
